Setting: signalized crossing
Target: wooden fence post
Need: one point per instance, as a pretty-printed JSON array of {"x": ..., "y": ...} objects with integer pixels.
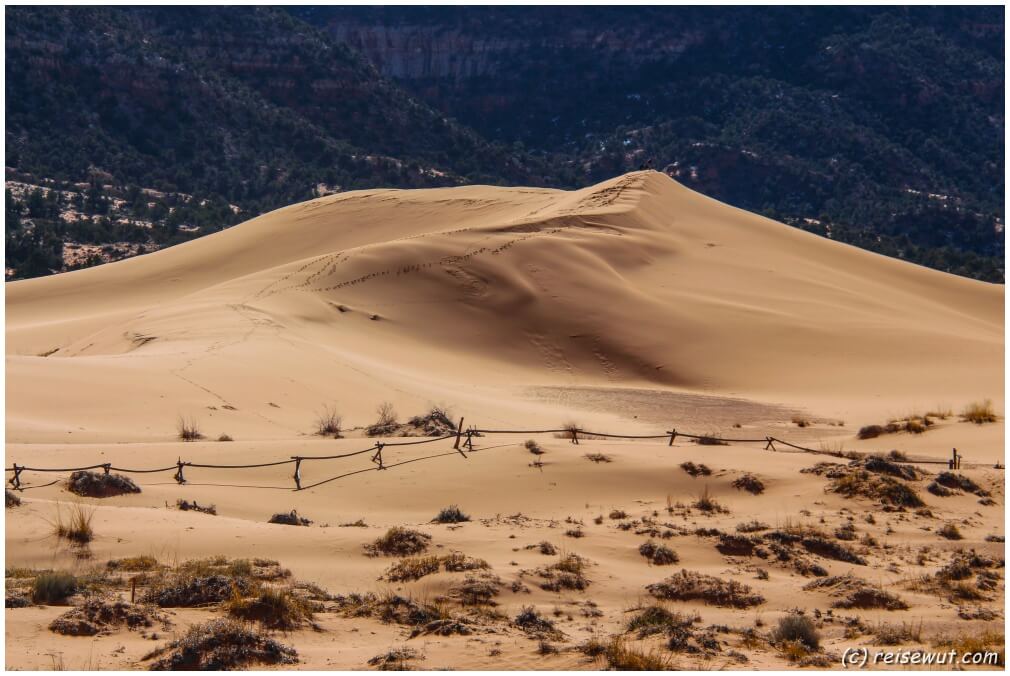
[
  {"x": 459, "y": 433},
  {"x": 575, "y": 436},
  {"x": 178, "y": 473},
  {"x": 298, "y": 473},
  {"x": 107, "y": 466},
  {"x": 771, "y": 443},
  {"x": 469, "y": 439},
  {"x": 16, "y": 479},
  {"x": 377, "y": 458},
  {"x": 673, "y": 435}
]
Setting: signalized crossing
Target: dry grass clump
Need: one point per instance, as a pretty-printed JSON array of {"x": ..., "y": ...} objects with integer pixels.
[
  {"x": 416, "y": 567},
  {"x": 477, "y": 589},
  {"x": 100, "y": 614},
  {"x": 695, "y": 470},
  {"x": 886, "y": 465},
  {"x": 221, "y": 644},
  {"x": 396, "y": 659},
  {"x": 656, "y": 619},
  {"x": 658, "y": 554},
  {"x": 11, "y": 499},
  {"x": 567, "y": 573},
  {"x": 707, "y": 503},
  {"x": 897, "y": 634},
  {"x": 800, "y": 421},
  {"x": 100, "y": 484},
  {"x": 620, "y": 656},
  {"x": 133, "y": 564},
  {"x": 736, "y": 545},
  {"x": 598, "y": 457},
  {"x": 225, "y": 437},
  {"x": 399, "y": 541},
  {"x": 979, "y": 412},
  {"x": 272, "y": 608},
  {"x": 831, "y": 550},
  {"x": 710, "y": 440},
  {"x": 393, "y": 608},
  {"x": 960, "y": 482},
  {"x": 385, "y": 423},
  {"x": 855, "y": 592},
  {"x": 203, "y": 582},
  {"x": 544, "y": 547},
  {"x": 797, "y": 627},
  {"x": 450, "y": 514},
  {"x": 53, "y": 587},
  {"x": 985, "y": 641},
  {"x": 532, "y": 622},
  {"x": 749, "y": 483},
  {"x": 188, "y": 429},
  {"x": 329, "y": 422},
  {"x": 856, "y": 481},
  {"x": 434, "y": 423},
  {"x": 950, "y": 531},
  {"x": 752, "y": 526},
  {"x": 289, "y": 519},
  {"x": 618, "y": 514},
  {"x": 691, "y": 586},
  {"x": 533, "y": 447},
  {"x": 187, "y": 506},
  {"x": 76, "y": 526}
]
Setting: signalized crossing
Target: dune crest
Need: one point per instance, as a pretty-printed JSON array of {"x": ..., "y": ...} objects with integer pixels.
[{"x": 441, "y": 295}]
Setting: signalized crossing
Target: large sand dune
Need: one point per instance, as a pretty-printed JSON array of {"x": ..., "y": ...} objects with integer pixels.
[
  {"x": 631, "y": 306},
  {"x": 466, "y": 295}
]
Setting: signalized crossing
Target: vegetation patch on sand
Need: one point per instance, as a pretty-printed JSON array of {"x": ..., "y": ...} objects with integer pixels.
[
  {"x": 416, "y": 567},
  {"x": 855, "y": 479},
  {"x": 101, "y": 614},
  {"x": 100, "y": 484},
  {"x": 749, "y": 483},
  {"x": 855, "y": 592},
  {"x": 291, "y": 518},
  {"x": 398, "y": 541},
  {"x": 272, "y": 608},
  {"x": 567, "y": 573},
  {"x": 221, "y": 644},
  {"x": 695, "y": 470},
  {"x": 658, "y": 554},
  {"x": 691, "y": 586}
]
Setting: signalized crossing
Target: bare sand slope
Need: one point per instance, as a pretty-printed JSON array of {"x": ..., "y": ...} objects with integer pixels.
[{"x": 464, "y": 296}]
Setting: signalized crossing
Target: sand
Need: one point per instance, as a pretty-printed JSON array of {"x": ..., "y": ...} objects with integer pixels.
[{"x": 635, "y": 306}]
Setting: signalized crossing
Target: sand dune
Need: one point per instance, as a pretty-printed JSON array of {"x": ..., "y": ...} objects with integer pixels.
[
  {"x": 630, "y": 306},
  {"x": 421, "y": 296}
]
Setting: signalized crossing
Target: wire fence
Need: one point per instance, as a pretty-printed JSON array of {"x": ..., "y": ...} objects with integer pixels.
[{"x": 463, "y": 445}]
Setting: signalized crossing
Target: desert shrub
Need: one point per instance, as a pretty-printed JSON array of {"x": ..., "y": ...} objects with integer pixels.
[
  {"x": 800, "y": 421},
  {"x": 12, "y": 499},
  {"x": 658, "y": 554},
  {"x": 221, "y": 644},
  {"x": 329, "y": 422},
  {"x": 620, "y": 656},
  {"x": 75, "y": 526},
  {"x": 451, "y": 514},
  {"x": 710, "y": 440},
  {"x": 598, "y": 457},
  {"x": 960, "y": 482},
  {"x": 413, "y": 568},
  {"x": 751, "y": 526},
  {"x": 546, "y": 548},
  {"x": 434, "y": 423},
  {"x": 100, "y": 484},
  {"x": 896, "y": 634},
  {"x": 796, "y": 627},
  {"x": 532, "y": 622},
  {"x": 950, "y": 531},
  {"x": 186, "y": 590},
  {"x": 656, "y": 619},
  {"x": 880, "y": 465},
  {"x": 846, "y": 531},
  {"x": 457, "y": 562},
  {"x": 133, "y": 564},
  {"x": 979, "y": 412},
  {"x": 618, "y": 514},
  {"x": 832, "y": 550},
  {"x": 399, "y": 541},
  {"x": 188, "y": 429},
  {"x": 187, "y": 506},
  {"x": 477, "y": 589},
  {"x": 53, "y": 587},
  {"x": 735, "y": 545},
  {"x": 855, "y": 592},
  {"x": 385, "y": 422},
  {"x": 575, "y": 533},
  {"x": 272, "y": 609},
  {"x": 533, "y": 447},
  {"x": 856, "y": 481},
  {"x": 394, "y": 660},
  {"x": 749, "y": 483},
  {"x": 566, "y": 573},
  {"x": 707, "y": 503},
  {"x": 871, "y": 431},
  {"x": 695, "y": 470},
  {"x": 289, "y": 519},
  {"x": 691, "y": 586},
  {"x": 225, "y": 437},
  {"x": 97, "y": 614}
]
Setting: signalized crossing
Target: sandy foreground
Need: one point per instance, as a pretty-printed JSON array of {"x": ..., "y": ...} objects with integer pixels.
[{"x": 632, "y": 307}]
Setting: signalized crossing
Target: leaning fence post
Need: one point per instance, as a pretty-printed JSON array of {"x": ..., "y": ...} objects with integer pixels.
[
  {"x": 298, "y": 473},
  {"x": 771, "y": 443},
  {"x": 459, "y": 433},
  {"x": 178, "y": 473},
  {"x": 469, "y": 439},
  {"x": 575, "y": 436},
  {"x": 16, "y": 479},
  {"x": 673, "y": 435},
  {"x": 377, "y": 458}
]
